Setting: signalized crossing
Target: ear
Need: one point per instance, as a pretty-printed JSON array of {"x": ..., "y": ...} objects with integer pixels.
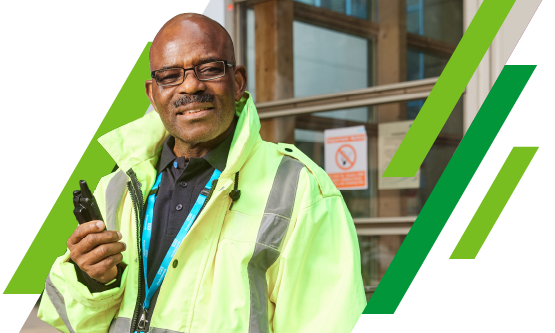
[
  {"x": 240, "y": 82},
  {"x": 148, "y": 89}
]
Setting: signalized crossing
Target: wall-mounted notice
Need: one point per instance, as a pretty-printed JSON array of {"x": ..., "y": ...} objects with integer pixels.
[
  {"x": 390, "y": 136},
  {"x": 346, "y": 157}
]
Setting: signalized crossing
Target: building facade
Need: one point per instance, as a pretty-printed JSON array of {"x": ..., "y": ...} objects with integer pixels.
[{"x": 316, "y": 65}]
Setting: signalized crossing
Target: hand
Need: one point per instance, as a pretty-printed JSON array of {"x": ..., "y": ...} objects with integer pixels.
[{"x": 96, "y": 251}]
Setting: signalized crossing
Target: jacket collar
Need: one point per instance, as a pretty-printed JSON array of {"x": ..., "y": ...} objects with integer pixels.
[
  {"x": 143, "y": 139},
  {"x": 217, "y": 157}
]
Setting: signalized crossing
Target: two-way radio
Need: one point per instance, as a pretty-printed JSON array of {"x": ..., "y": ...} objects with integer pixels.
[{"x": 86, "y": 208}]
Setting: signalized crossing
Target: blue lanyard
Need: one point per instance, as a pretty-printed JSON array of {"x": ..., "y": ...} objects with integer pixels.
[{"x": 147, "y": 234}]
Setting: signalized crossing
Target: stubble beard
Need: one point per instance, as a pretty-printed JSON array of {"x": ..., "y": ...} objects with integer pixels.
[
  {"x": 212, "y": 129},
  {"x": 206, "y": 130}
]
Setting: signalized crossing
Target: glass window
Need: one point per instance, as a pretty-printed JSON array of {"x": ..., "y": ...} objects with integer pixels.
[
  {"x": 309, "y": 138},
  {"x": 378, "y": 248},
  {"x": 339, "y": 6},
  {"x": 327, "y": 61},
  {"x": 422, "y": 65},
  {"x": 376, "y": 254},
  {"x": 439, "y": 155},
  {"x": 437, "y": 19},
  {"x": 415, "y": 17},
  {"x": 363, "y": 9}
]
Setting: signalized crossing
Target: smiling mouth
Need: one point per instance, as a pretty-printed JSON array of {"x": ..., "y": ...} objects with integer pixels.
[{"x": 195, "y": 111}]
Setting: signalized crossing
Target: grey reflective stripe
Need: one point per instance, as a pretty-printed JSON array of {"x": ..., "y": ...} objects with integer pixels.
[
  {"x": 282, "y": 194},
  {"x": 58, "y": 301},
  {"x": 273, "y": 227},
  {"x": 114, "y": 195},
  {"x": 150, "y": 109},
  {"x": 161, "y": 330},
  {"x": 261, "y": 260},
  {"x": 120, "y": 325}
]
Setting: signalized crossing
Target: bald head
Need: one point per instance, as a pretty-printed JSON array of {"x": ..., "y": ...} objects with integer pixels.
[
  {"x": 197, "y": 109},
  {"x": 192, "y": 26}
]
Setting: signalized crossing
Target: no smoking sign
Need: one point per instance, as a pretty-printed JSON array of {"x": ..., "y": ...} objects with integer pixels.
[{"x": 346, "y": 157}]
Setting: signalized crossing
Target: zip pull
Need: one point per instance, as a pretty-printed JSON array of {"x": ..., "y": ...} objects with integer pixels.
[
  {"x": 142, "y": 321},
  {"x": 235, "y": 194}
]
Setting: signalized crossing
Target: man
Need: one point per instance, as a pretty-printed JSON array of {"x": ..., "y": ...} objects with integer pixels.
[{"x": 246, "y": 235}]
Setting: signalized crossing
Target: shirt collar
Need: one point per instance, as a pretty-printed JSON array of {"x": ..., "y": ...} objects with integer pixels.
[{"x": 217, "y": 157}]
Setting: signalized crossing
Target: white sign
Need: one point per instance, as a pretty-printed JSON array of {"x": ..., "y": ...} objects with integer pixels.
[
  {"x": 346, "y": 157},
  {"x": 390, "y": 136}
]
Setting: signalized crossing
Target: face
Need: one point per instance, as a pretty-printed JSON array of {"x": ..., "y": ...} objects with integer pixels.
[{"x": 195, "y": 111}]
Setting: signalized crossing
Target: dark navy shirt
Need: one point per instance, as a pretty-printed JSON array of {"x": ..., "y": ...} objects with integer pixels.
[{"x": 180, "y": 187}]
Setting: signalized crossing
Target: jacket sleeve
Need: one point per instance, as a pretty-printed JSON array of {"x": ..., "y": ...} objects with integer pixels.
[
  {"x": 68, "y": 305},
  {"x": 95, "y": 286},
  {"x": 319, "y": 286}
]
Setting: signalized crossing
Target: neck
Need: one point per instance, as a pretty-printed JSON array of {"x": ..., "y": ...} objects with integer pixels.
[{"x": 199, "y": 149}]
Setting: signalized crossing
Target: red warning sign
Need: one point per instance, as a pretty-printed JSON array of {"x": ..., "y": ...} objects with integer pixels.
[
  {"x": 346, "y": 157},
  {"x": 348, "y": 179}
]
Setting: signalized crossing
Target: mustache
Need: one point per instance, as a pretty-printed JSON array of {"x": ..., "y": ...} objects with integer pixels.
[{"x": 187, "y": 99}]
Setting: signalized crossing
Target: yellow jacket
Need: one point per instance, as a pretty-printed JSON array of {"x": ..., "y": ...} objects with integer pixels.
[{"x": 285, "y": 259}]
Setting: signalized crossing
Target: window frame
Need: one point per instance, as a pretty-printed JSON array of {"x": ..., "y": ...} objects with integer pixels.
[{"x": 373, "y": 96}]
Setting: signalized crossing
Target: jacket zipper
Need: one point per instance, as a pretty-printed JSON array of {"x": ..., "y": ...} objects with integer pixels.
[
  {"x": 214, "y": 184},
  {"x": 137, "y": 199},
  {"x": 134, "y": 183}
]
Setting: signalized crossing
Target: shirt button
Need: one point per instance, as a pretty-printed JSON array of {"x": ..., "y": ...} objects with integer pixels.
[
  {"x": 183, "y": 184},
  {"x": 179, "y": 207},
  {"x": 175, "y": 165}
]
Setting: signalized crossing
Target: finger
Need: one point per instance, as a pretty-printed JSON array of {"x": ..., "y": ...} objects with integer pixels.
[
  {"x": 81, "y": 252},
  {"x": 89, "y": 259},
  {"x": 94, "y": 240},
  {"x": 99, "y": 270},
  {"x": 104, "y": 251},
  {"x": 84, "y": 230}
]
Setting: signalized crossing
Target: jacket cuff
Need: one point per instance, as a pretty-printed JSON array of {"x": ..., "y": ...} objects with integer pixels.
[{"x": 93, "y": 285}]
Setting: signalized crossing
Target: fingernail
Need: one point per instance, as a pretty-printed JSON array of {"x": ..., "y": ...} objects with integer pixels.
[
  {"x": 124, "y": 245},
  {"x": 119, "y": 235},
  {"x": 100, "y": 224}
]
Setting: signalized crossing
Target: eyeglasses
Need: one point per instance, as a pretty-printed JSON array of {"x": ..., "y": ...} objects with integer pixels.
[{"x": 203, "y": 72}]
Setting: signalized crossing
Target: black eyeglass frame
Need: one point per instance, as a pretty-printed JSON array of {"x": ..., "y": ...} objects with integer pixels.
[{"x": 226, "y": 64}]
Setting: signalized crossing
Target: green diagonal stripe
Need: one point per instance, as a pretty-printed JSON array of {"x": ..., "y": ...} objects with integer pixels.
[
  {"x": 449, "y": 189},
  {"x": 495, "y": 200},
  {"x": 449, "y": 88},
  {"x": 130, "y": 104}
]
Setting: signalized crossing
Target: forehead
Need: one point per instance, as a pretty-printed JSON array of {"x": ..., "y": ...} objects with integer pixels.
[{"x": 188, "y": 43}]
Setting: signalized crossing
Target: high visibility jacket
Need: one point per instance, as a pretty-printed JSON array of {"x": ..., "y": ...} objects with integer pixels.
[{"x": 284, "y": 259}]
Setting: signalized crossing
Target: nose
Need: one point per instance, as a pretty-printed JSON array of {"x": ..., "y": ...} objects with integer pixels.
[{"x": 191, "y": 84}]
